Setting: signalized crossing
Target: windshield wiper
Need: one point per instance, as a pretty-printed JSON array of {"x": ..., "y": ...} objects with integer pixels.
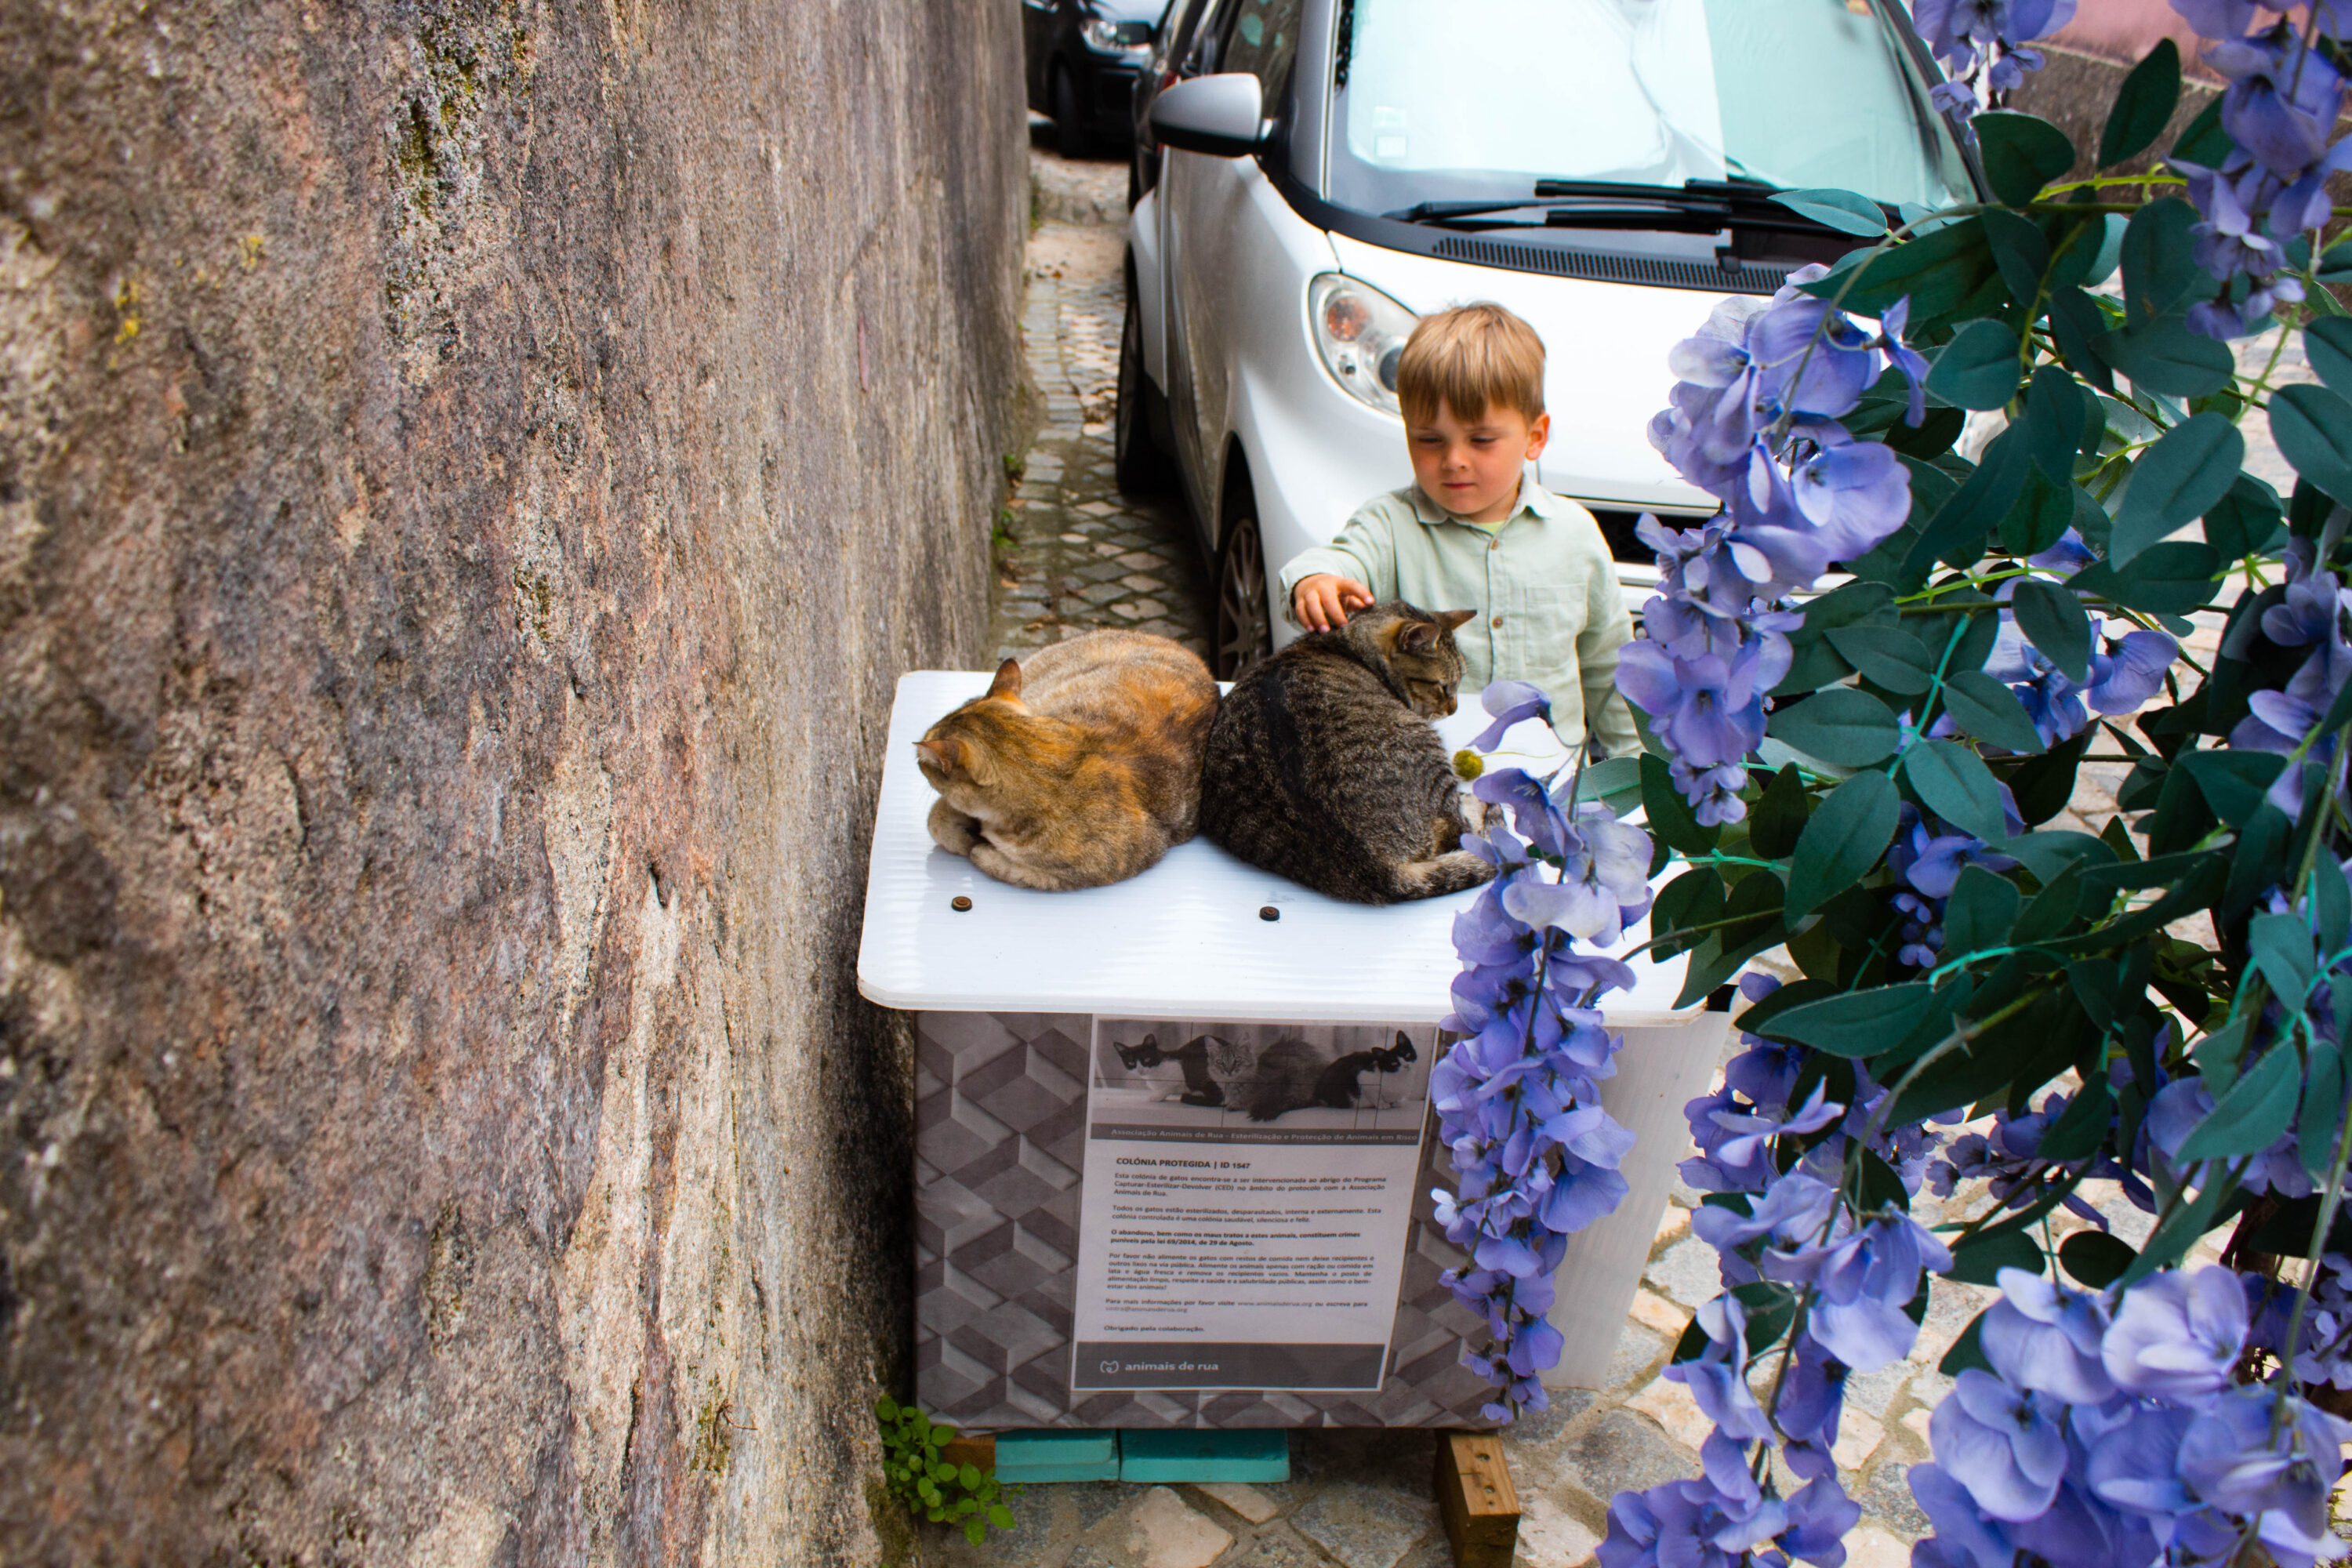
[{"x": 1696, "y": 206}]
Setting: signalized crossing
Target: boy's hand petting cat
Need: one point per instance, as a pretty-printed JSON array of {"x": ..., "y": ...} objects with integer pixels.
[{"x": 1323, "y": 601}]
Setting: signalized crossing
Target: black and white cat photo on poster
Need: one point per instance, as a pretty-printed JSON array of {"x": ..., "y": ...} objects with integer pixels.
[
  {"x": 1248, "y": 1191},
  {"x": 1295, "y": 1078}
]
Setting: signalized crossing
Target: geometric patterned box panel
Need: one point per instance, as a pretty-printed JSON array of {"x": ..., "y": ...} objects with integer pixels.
[{"x": 1000, "y": 1135}]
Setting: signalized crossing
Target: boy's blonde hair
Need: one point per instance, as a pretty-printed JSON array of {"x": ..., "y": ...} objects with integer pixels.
[{"x": 1471, "y": 358}]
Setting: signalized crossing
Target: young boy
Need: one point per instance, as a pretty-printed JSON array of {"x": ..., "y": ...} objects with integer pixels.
[{"x": 1475, "y": 531}]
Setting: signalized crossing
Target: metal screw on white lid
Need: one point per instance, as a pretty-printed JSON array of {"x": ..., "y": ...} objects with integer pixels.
[
  {"x": 959, "y": 903},
  {"x": 1268, "y": 912}
]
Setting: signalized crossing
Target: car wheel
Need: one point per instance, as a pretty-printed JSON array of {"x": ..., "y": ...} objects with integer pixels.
[
  {"x": 1142, "y": 468},
  {"x": 1069, "y": 125},
  {"x": 1244, "y": 636}
]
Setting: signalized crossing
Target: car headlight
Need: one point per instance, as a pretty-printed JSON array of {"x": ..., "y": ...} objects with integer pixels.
[
  {"x": 1360, "y": 332},
  {"x": 1105, "y": 37}
]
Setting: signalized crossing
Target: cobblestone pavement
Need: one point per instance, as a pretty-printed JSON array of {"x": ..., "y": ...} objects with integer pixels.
[{"x": 1074, "y": 555}]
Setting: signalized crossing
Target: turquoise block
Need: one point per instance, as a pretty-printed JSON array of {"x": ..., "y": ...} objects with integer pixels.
[
  {"x": 1244, "y": 1454},
  {"x": 1054, "y": 1455}
]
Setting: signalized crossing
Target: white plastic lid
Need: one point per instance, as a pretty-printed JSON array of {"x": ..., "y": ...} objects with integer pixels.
[{"x": 1184, "y": 939}]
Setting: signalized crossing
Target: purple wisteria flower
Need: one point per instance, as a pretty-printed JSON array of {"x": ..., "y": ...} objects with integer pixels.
[
  {"x": 2177, "y": 1334},
  {"x": 1977, "y": 41},
  {"x": 2007, "y": 1160},
  {"x": 1534, "y": 1157},
  {"x": 1862, "y": 1281},
  {"x": 2044, "y": 1337},
  {"x": 2124, "y": 673},
  {"x": 2280, "y": 109},
  {"x": 2315, "y": 614},
  {"x": 2007, "y": 1446}
]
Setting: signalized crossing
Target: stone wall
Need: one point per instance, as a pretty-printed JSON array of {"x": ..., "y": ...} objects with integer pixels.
[{"x": 469, "y": 475}]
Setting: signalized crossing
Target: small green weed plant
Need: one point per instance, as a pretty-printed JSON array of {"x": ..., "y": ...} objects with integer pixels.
[{"x": 962, "y": 1495}]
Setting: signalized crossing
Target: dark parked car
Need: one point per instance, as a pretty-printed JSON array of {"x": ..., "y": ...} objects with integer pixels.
[
  {"x": 1172, "y": 58},
  {"x": 1083, "y": 56}
]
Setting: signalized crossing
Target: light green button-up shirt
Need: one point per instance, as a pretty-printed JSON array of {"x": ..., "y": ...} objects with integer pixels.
[{"x": 1541, "y": 581}]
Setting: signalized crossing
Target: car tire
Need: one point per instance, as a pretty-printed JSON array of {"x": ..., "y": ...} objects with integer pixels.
[
  {"x": 1243, "y": 634},
  {"x": 1070, "y": 133},
  {"x": 1142, "y": 469}
]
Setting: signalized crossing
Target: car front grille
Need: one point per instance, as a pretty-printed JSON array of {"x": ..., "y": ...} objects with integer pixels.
[{"x": 1654, "y": 271}]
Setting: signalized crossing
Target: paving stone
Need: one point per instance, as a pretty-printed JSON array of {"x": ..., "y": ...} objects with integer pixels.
[
  {"x": 1246, "y": 1501},
  {"x": 1871, "y": 1547},
  {"x": 1551, "y": 1537},
  {"x": 1686, "y": 1272},
  {"x": 1637, "y": 1350},
  {"x": 1276, "y": 1547},
  {"x": 1875, "y": 1392},
  {"x": 1624, "y": 1451},
  {"x": 1886, "y": 1498},
  {"x": 1654, "y": 1311},
  {"x": 1366, "y": 1527},
  {"x": 1670, "y": 1404},
  {"x": 1859, "y": 1435},
  {"x": 1158, "y": 1531}
]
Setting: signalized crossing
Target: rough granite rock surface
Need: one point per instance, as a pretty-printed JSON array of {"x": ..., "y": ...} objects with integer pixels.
[{"x": 470, "y": 474}]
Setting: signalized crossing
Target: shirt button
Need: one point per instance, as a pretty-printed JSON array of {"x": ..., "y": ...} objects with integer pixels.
[
  {"x": 1494, "y": 544},
  {"x": 1498, "y": 620}
]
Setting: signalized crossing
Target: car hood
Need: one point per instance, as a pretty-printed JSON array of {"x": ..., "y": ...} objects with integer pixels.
[
  {"x": 1130, "y": 10},
  {"x": 1605, "y": 347}
]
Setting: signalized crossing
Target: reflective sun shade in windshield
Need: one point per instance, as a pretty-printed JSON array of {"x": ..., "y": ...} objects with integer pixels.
[{"x": 1450, "y": 99}]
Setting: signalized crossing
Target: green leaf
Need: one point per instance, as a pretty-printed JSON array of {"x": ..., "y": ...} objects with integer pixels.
[
  {"x": 970, "y": 1476},
  {"x": 2163, "y": 355},
  {"x": 2233, "y": 782},
  {"x": 974, "y": 1532},
  {"x": 2281, "y": 947},
  {"x": 2144, "y": 105},
  {"x": 1967, "y": 1353},
  {"x": 2158, "y": 259},
  {"x": 2313, "y": 427},
  {"x": 2018, "y": 249},
  {"x": 1841, "y": 210},
  {"x": 1692, "y": 898},
  {"x": 2246, "y": 521},
  {"x": 1937, "y": 271},
  {"x": 2021, "y": 154},
  {"x": 887, "y": 1408},
  {"x": 1669, "y": 814},
  {"x": 2044, "y": 509},
  {"x": 2327, "y": 344},
  {"x": 1955, "y": 532},
  {"x": 2171, "y": 578},
  {"x": 1850, "y": 729},
  {"x": 2083, "y": 1126},
  {"x": 2331, "y": 898},
  {"x": 1886, "y": 656},
  {"x": 1779, "y": 815},
  {"x": 2053, "y": 621},
  {"x": 2323, "y": 1097},
  {"x": 1855, "y": 1024},
  {"x": 2252, "y": 1115},
  {"x": 2176, "y": 482},
  {"x": 1979, "y": 913},
  {"x": 2092, "y": 1257},
  {"x": 1843, "y": 839},
  {"x": 1000, "y": 1516},
  {"x": 2203, "y": 141},
  {"x": 1953, "y": 781},
  {"x": 1991, "y": 711},
  {"x": 1615, "y": 783},
  {"x": 1979, "y": 1259},
  {"x": 2081, "y": 329},
  {"x": 1978, "y": 368}
]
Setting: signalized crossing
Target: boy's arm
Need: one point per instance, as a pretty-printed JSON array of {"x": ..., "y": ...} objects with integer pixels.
[
  {"x": 1365, "y": 550},
  {"x": 1607, "y": 629}
]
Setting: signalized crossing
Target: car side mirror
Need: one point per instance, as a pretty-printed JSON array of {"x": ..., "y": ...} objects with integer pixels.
[{"x": 1221, "y": 115}]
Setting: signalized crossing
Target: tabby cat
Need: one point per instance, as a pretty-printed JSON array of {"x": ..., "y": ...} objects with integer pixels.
[
  {"x": 1192, "y": 1056},
  {"x": 1323, "y": 766},
  {"x": 1293, "y": 1075},
  {"x": 1079, "y": 767}
]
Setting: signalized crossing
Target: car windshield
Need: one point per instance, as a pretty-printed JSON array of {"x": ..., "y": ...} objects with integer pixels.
[{"x": 1441, "y": 99}]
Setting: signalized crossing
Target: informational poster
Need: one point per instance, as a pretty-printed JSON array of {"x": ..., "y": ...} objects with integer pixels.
[{"x": 1248, "y": 1193}]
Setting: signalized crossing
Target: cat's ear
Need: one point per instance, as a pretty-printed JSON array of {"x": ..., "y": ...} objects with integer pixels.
[
  {"x": 1416, "y": 637},
  {"x": 1404, "y": 1043},
  {"x": 1452, "y": 620},
  {"x": 1007, "y": 683},
  {"x": 945, "y": 753}
]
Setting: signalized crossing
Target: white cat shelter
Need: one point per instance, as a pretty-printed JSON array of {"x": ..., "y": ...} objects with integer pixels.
[{"x": 1007, "y": 986}]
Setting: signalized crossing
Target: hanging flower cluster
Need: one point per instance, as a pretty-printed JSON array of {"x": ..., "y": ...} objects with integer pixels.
[
  {"x": 1518, "y": 1098},
  {"x": 2280, "y": 109},
  {"x": 1754, "y": 422},
  {"x": 1979, "y": 44},
  {"x": 2109, "y": 1433}
]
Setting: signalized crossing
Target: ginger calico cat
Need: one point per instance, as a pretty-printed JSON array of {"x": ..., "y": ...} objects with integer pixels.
[
  {"x": 1079, "y": 767},
  {"x": 1322, "y": 764}
]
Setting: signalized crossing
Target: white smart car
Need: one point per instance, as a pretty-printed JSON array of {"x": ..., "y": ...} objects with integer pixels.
[{"x": 1317, "y": 172}]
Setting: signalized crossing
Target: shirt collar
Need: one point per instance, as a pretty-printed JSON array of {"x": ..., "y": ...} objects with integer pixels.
[{"x": 1533, "y": 499}]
